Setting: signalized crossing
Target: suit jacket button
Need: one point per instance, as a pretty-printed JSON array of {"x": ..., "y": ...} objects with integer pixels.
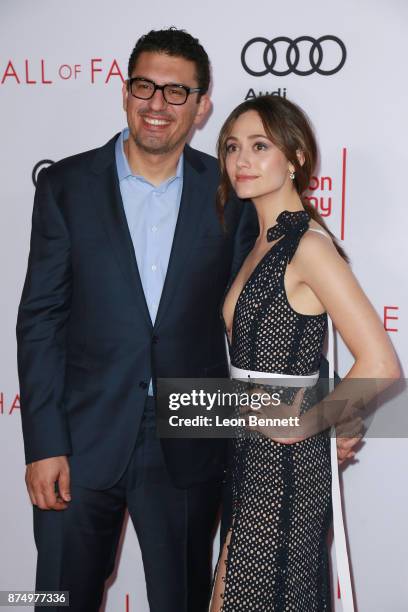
[
  {"x": 155, "y": 339},
  {"x": 143, "y": 384}
]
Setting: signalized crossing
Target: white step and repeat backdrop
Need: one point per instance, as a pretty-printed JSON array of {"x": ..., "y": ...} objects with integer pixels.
[{"x": 61, "y": 70}]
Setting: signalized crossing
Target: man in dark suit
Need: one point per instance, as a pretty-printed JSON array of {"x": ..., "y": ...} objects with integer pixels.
[{"x": 127, "y": 268}]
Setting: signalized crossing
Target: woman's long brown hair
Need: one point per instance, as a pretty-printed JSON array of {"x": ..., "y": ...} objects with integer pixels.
[{"x": 287, "y": 126}]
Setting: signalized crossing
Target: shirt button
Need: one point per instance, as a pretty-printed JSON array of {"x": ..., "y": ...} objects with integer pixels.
[
  {"x": 154, "y": 228},
  {"x": 154, "y": 267}
]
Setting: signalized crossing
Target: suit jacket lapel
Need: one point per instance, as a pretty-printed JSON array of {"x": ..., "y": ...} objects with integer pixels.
[
  {"x": 192, "y": 206},
  {"x": 106, "y": 191}
]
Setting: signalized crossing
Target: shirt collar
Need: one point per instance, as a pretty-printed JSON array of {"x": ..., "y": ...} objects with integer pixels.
[{"x": 123, "y": 167}]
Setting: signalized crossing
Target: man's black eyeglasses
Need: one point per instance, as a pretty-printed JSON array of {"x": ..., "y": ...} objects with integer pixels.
[{"x": 173, "y": 93}]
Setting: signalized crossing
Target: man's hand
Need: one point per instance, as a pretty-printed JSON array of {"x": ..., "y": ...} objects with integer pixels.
[
  {"x": 354, "y": 431},
  {"x": 41, "y": 477},
  {"x": 345, "y": 448}
]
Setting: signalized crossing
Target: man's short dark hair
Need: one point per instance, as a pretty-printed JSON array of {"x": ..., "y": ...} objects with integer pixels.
[{"x": 176, "y": 43}]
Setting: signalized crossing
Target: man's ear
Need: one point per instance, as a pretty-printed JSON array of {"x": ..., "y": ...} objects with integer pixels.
[
  {"x": 301, "y": 156},
  {"x": 204, "y": 107},
  {"x": 125, "y": 94}
]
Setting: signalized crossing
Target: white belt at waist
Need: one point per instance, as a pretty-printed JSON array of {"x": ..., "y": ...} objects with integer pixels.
[{"x": 264, "y": 377}]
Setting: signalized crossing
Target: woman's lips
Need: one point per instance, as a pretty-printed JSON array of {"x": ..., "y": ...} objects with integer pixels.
[{"x": 240, "y": 178}]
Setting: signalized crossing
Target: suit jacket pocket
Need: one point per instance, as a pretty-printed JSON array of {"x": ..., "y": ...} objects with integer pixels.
[
  {"x": 80, "y": 377},
  {"x": 218, "y": 370}
]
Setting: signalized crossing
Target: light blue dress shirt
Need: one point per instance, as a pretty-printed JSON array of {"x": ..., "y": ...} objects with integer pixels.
[{"x": 151, "y": 214}]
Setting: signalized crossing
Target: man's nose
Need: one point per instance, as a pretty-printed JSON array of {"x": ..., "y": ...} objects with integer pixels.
[{"x": 157, "y": 101}]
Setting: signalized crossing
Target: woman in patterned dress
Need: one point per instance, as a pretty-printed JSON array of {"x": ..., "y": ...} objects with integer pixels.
[{"x": 275, "y": 557}]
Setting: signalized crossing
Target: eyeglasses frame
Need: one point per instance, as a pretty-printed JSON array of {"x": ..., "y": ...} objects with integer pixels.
[{"x": 188, "y": 90}]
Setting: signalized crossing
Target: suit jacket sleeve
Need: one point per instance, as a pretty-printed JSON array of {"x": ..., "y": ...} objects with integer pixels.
[
  {"x": 245, "y": 236},
  {"x": 41, "y": 327}
]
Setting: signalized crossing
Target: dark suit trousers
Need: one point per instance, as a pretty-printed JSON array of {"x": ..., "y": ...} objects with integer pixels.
[{"x": 77, "y": 546}]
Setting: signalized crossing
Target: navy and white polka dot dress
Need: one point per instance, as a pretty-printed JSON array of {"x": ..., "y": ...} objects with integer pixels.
[{"x": 277, "y": 545}]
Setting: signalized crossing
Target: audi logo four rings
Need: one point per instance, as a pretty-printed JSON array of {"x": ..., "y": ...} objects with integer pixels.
[{"x": 293, "y": 55}]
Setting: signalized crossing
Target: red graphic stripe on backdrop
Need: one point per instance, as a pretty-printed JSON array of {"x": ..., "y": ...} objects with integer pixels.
[
  {"x": 127, "y": 608},
  {"x": 343, "y": 193}
]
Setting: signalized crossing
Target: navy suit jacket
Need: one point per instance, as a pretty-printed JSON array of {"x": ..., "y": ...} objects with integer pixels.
[{"x": 86, "y": 345}]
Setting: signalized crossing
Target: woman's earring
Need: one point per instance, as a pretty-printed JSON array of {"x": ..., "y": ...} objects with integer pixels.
[{"x": 292, "y": 175}]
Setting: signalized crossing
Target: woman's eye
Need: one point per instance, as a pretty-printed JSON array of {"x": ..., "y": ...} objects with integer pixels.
[
  {"x": 230, "y": 148},
  {"x": 261, "y": 146}
]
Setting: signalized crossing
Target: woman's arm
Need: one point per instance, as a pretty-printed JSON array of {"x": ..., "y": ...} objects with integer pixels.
[{"x": 318, "y": 265}]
